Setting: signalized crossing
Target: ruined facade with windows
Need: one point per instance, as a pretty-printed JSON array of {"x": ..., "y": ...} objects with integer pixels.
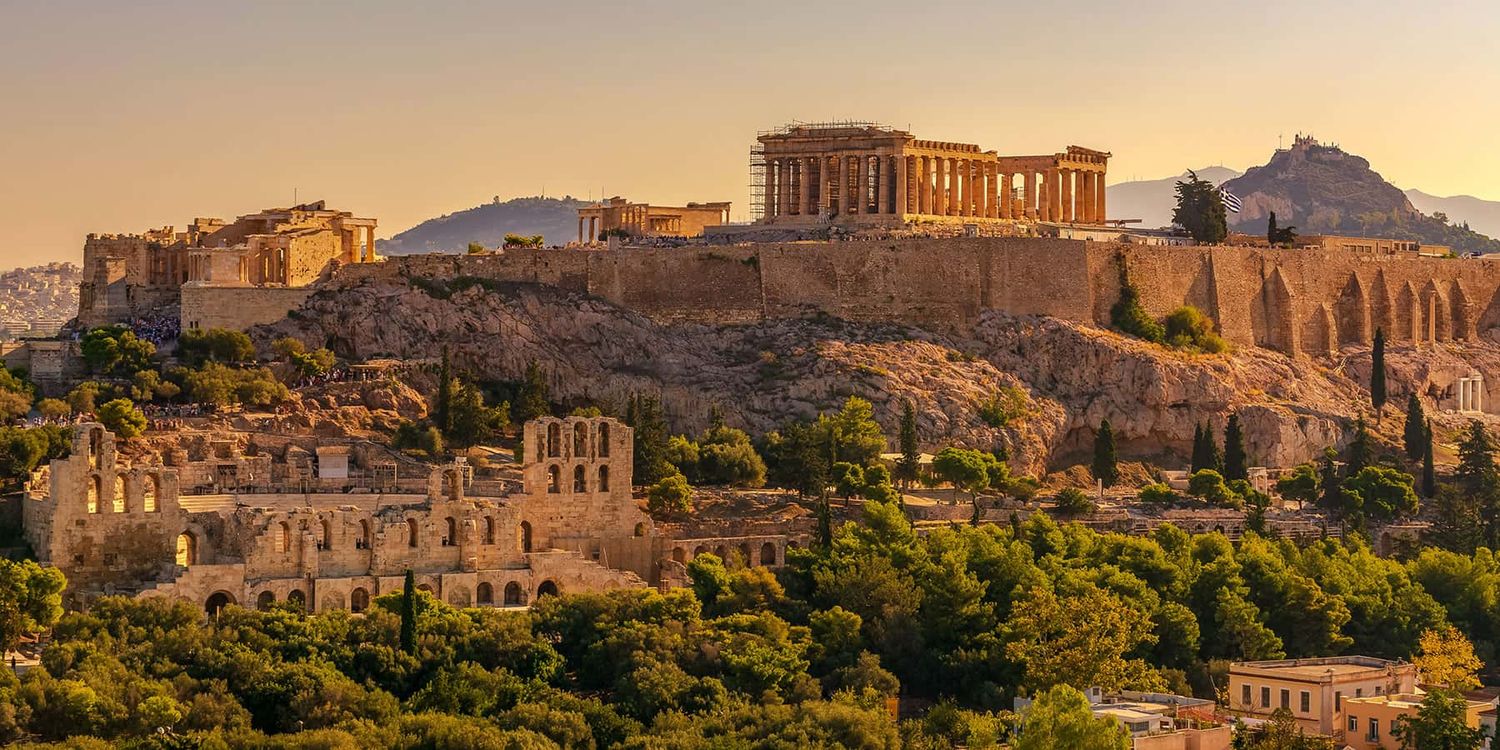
[
  {"x": 127, "y": 277},
  {"x": 226, "y": 528}
]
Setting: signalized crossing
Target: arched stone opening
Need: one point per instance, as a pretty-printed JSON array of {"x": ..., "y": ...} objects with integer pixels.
[
  {"x": 515, "y": 596},
  {"x": 151, "y": 493},
  {"x": 217, "y": 602},
  {"x": 554, "y": 480},
  {"x": 768, "y": 554},
  {"x": 118, "y": 505},
  {"x": 411, "y": 532},
  {"x": 603, "y": 479},
  {"x": 580, "y": 440},
  {"x": 95, "y": 485},
  {"x": 489, "y": 529},
  {"x": 363, "y": 540},
  {"x": 325, "y": 535},
  {"x": 450, "y": 532},
  {"x": 548, "y": 588},
  {"x": 554, "y": 440},
  {"x": 264, "y": 601},
  {"x": 525, "y": 536},
  {"x": 359, "y": 600},
  {"x": 603, "y": 440},
  {"x": 187, "y": 549},
  {"x": 484, "y": 595},
  {"x": 297, "y": 599},
  {"x": 679, "y": 555},
  {"x": 580, "y": 482},
  {"x": 286, "y": 537},
  {"x": 640, "y": 529}
]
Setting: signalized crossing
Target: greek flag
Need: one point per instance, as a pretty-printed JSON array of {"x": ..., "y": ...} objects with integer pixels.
[{"x": 1231, "y": 201}]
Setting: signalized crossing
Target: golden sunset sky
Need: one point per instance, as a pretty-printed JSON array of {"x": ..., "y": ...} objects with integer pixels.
[{"x": 120, "y": 116}]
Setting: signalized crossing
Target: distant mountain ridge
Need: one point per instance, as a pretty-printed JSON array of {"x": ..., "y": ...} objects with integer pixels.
[
  {"x": 1479, "y": 214},
  {"x": 556, "y": 219}
]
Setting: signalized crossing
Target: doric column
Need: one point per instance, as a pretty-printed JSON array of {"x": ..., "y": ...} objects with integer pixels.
[
  {"x": 1007, "y": 196},
  {"x": 1083, "y": 197},
  {"x": 907, "y": 183},
  {"x": 956, "y": 188},
  {"x": 940, "y": 186},
  {"x": 826, "y": 185},
  {"x": 804, "y": 186},
  {"x": 770, "y": 189},
  {"x": 1100, "y": 214},
  {"x": 882, "y": 185},
  {"x": 924, "y": 185},
  {"x": 1056, "y": 195},
  {"x": 965, "y": 187},
  {"x": 580, "y": 230},
  {"x": 1043, "y": 204},
  {"x": 786, "y": 188},
  {"x": 1065, "y": 184},
  {"x": 861, "y": 186}
]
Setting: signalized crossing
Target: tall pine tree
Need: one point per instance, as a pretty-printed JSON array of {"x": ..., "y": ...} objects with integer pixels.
[
  {"x": 1106, "y": 468},
  {"x": 1377, "y": 374},
  {"x": 533, "y": 398},
  {"x": 409, "y": 614},
  {"x": 906, "y": 466},
  {"x": 1415, "y": 434},
  {"x": 1236, "y": 463},
  {"x": 1357, "y": 455},
  {"x": 442, "y": 412},
  {"x": 1200, "y": 451},
  {"x": 644, "y": 415},
  {"x": 1477, "y": 475},
  {"x": 1429, "y": 474}
]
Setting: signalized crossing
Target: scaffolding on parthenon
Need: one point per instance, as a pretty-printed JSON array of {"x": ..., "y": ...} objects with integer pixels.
[{"x": 758, "y": 195}]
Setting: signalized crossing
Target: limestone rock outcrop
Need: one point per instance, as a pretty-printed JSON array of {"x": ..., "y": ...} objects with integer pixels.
[{"x": 760, "y": 375}]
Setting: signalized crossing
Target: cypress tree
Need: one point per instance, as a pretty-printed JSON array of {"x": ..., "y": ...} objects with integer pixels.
[
  {"x": 1211, "y": 448},
  {"x": 1377, "y": 374},
  {"x": 1415, "y": 434},
  {"x": 533, "y": 399},
  {"x": 643, "y": 414},
  {"x": 1271, "y": 230},
  {"x": 1333, "y": 494},
  {"x": 442, "y": 413},
  {"x": 1429, "y": 476},
  {"x": 1359, "y": 451},
  {"x": 906, "y": 467},
  {"x": 1200, "y": 456},
  {"x": 409, "y": 614},
  {"x": 1235, "y": 462},
  {"x": 1106, "y": 468}
]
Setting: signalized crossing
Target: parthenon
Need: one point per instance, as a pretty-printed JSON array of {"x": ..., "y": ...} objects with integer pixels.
[{"x": 867, "y": 173}]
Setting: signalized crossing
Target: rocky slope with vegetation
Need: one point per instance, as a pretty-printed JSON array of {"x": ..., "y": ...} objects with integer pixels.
[{"x": 1036, "y": 386}]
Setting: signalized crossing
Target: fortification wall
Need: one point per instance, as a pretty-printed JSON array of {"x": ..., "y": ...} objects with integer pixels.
[
  {"x": 1297, "y": 301},
  {"x": 237, "y": 308}
]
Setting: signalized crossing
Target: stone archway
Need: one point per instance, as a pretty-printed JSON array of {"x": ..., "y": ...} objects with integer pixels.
[
  {"x": 548, "y": 588},
  {"x": 217, "y": 602}
]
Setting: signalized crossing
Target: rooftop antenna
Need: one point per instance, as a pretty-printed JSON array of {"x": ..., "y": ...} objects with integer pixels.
[{"x": 294, "y": 196}]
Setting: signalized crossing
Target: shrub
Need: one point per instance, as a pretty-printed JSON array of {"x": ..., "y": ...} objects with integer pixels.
[
  {"x": 1005, "y": 405},
  {"x": 1073, "y": 502},
  {"x": 1157, "y": 493},
  {"x": 670, "y": 495},
  {"x": 1188, "y": 328},
  {"x": 1129, "y": 316},
  {"x": 121, "y": 417}
]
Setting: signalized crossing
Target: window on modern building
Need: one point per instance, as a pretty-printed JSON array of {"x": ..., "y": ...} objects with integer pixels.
[
  {"x": 1338, "y": 701},
  {"x": 1286, "y": 699},
  {"x": 1374, "y": 734},
  {"x": 1306, "y": 703},
  {"x": 1353, "y": 723},
  {"x": 1265, "y": 697},
  {"x": 1245, "y": 694}
]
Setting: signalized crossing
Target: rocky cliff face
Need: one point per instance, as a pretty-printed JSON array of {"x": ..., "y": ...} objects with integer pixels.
[
  {"x": 761, "y": 375},
  {"x": 1326, "y": 190}
]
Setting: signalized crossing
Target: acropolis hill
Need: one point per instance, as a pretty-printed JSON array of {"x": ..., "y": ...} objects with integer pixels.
[{"x": 1299, "y": 302}]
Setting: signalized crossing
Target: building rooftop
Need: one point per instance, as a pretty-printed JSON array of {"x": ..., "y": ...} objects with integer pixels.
[{"x": 1317, "y": 668}]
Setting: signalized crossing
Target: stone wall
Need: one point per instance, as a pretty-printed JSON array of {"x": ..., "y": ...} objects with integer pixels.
[
  {"x": 1295, "y": 301},
  {"x": 237, "y": 307}
]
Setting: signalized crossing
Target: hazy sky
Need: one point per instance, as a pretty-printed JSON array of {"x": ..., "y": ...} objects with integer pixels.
[{"x": 118, "y": 116}]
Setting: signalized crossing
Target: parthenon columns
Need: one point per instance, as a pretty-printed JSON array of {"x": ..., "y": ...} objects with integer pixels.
[
  {"x": 1066, "y": 185},
  {"x": 804, "y": 185}
]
